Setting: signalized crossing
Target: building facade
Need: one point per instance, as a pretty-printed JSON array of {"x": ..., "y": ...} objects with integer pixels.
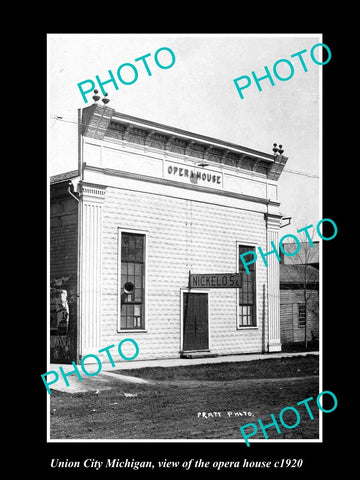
[{"x": 145, "y": 240}]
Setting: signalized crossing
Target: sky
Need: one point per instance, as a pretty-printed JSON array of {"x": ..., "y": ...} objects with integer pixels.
[{"x": 197, "y": 93}]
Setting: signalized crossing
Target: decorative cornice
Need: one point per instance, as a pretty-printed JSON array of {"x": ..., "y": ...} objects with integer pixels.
[
  {"x": 273, "y": 221},
  {"x": 105, "y": 122},
  {"x": 92, "y": 192},
  {"x": 96, "y": 120}
]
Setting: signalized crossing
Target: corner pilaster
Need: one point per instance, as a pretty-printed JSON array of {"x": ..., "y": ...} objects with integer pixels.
[
  {"x": 273, "y": 272},
  {"x": 91, "y": 223}
]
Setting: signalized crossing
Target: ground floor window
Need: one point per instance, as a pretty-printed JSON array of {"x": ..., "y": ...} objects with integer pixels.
[
  {"x": 132, "y": 282},
  {"x": 301, "y": 315},
  {"x": 247, "y": 295}
]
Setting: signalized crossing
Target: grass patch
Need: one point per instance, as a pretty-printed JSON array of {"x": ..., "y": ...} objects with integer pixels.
[{"x": 227, "y": 371}]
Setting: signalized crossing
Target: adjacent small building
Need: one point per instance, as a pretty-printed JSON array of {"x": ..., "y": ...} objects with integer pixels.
[
  {"x": 299, "y": 295},
  {"x": 145, "y": 238}
]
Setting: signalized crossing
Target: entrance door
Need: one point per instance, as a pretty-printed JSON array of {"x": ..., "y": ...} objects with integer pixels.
[{"x": 195, "y": 323}]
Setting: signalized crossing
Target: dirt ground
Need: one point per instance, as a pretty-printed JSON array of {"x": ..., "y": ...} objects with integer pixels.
[{"x": 195, "y": 402}]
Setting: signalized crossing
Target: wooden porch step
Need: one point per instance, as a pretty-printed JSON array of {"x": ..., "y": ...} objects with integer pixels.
[{"x": 198, "y": 355}]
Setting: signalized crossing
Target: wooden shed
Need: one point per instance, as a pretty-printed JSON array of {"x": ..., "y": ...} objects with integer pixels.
[{"x": 299, "y": 303}]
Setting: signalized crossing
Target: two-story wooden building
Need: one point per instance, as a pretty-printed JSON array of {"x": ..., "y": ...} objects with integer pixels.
[{"x": 145, "y": 240}]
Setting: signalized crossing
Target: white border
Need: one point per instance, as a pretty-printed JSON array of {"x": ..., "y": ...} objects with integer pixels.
[{"x": 163, "y": 35}]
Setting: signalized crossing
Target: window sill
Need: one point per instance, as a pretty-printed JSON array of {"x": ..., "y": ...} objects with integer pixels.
[
  {"x": 133, "y": 330},
  {"x": 247, "y": 327}
]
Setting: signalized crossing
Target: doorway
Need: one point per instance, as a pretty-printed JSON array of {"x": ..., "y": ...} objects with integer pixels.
[{"x": 195, "y": 321}]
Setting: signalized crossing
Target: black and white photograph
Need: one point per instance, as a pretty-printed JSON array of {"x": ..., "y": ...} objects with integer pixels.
[{"x": 185, "y": 250}]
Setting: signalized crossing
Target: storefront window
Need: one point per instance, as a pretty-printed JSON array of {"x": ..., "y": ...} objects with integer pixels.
[
  {"x": 132, "y": 281},
  {"x": 247, "y": 295}
]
